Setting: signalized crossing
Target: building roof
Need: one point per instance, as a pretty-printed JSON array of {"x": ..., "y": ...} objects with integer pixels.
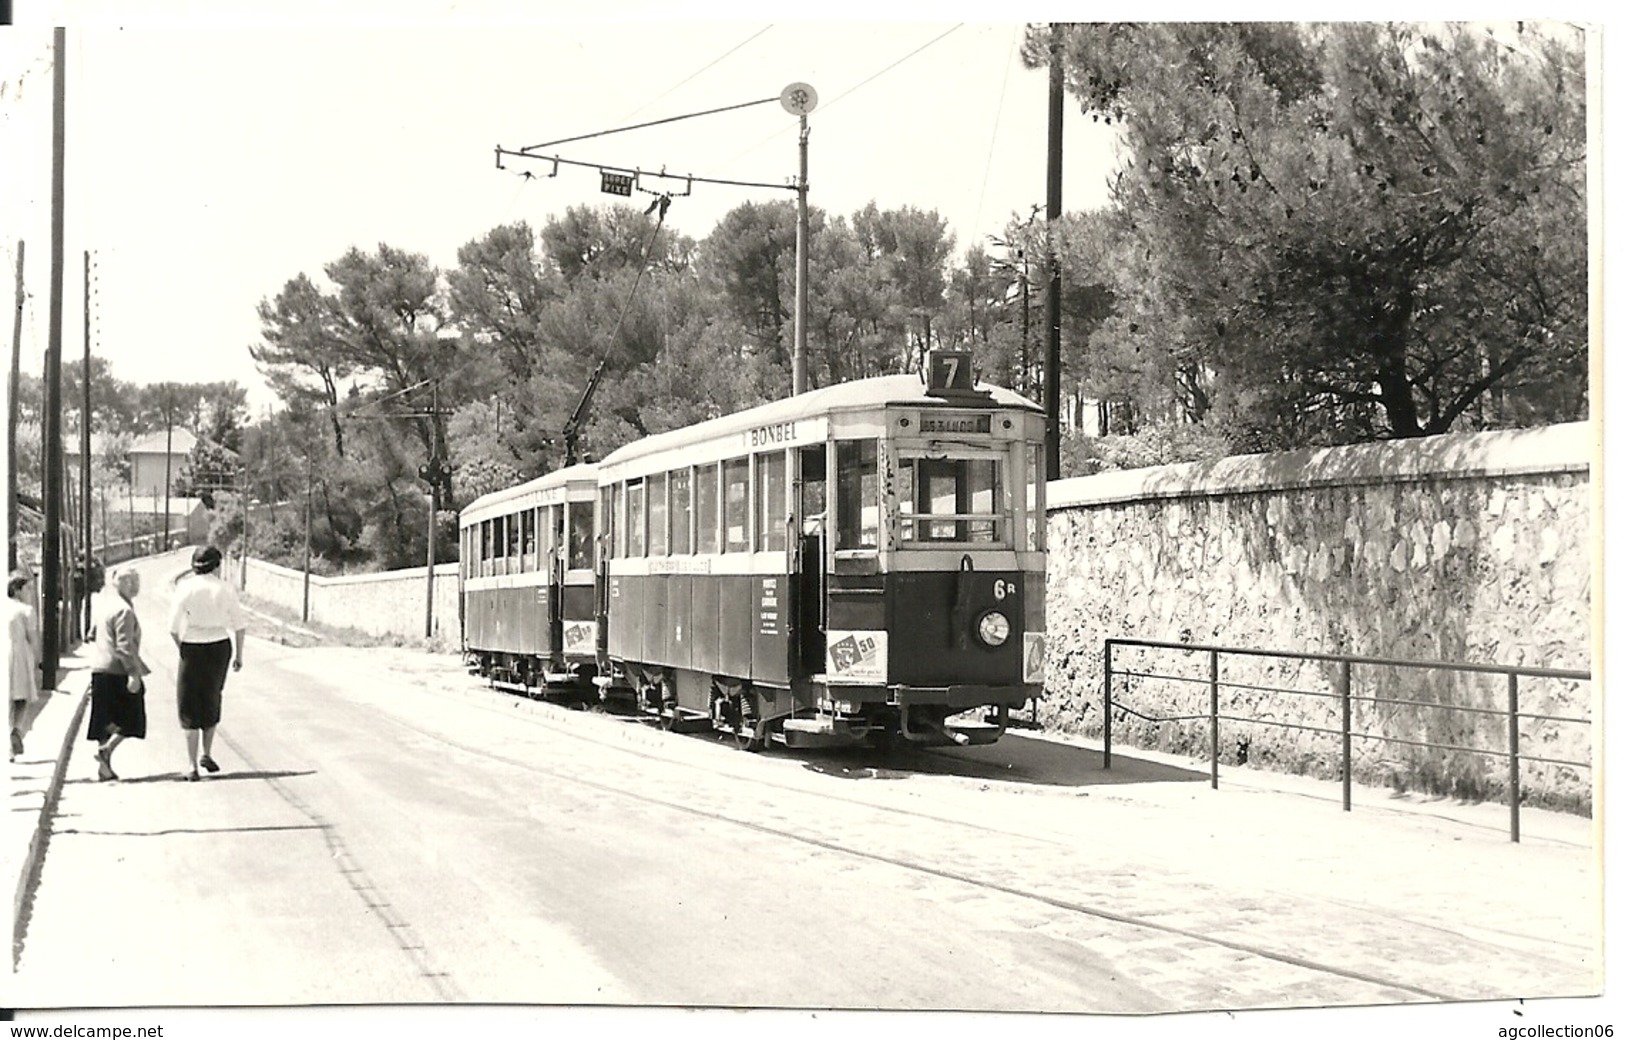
[{"x": 181, "y": 442}]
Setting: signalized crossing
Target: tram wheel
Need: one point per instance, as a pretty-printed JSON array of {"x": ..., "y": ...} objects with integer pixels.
[
  {"x": 749, "y": 733},
  {"x": 669, "y": 715}
]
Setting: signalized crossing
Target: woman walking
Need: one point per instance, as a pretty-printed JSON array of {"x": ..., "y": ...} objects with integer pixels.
[
  {"x": 118, "y": 701},
  {"x": 204, "y": 622},
  {"x": 22, "y": 645}
]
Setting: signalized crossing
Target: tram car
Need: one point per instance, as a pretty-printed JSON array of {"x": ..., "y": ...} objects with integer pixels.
[
  {"x": 530, "y": 623},
  {"x": 862, "y": 563}
]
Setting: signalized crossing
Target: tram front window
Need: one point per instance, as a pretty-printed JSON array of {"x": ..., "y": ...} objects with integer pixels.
[
  {"x": 950, "y": 500},
  {"x": 857, "y": 494}
]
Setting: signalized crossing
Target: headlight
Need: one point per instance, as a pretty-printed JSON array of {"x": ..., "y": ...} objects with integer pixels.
[{"x": 994, "y": 628}]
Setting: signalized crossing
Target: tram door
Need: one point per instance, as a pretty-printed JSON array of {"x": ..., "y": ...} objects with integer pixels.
[
  {"x": 555, "y": 579},
  {"x": 811, "y": 511}
]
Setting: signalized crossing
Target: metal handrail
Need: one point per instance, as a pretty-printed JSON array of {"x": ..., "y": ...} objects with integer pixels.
[{"x": 1343, "y": 693}]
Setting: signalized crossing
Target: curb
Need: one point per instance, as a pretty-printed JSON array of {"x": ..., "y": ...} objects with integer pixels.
[{"x": 29, "y": 871}]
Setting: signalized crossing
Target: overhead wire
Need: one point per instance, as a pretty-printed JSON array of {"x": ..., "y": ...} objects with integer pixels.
[
  {"x": 824, "y": 106},
  {"x": 998, "y": 116},
  {"x": 695, "y": 75}
]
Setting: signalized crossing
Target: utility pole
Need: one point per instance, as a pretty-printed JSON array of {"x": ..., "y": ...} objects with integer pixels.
[
  {"x": 51, "y": 546},
  {"x": 310, "y": 487},
  {"x": 11, "y": 418},
  {"x": 434, "y": 475},
  {"x": 1052, "y": 357},
  {"x": 798, "y": 99},
  {"x": 242, "y": 497},
  {"x": 169, "y": 454},
  {"x": 84, "y": 453}
]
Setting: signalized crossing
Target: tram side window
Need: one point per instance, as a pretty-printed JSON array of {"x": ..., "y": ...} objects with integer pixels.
[
  {"x": 603, "y": 532},
  {"x": 657, "y": 515},
  {"x": 857, "y": 494},
  {"x": 580, "y": 554},
  {"x": 634, "y": 518},
  {"x": 770, "y": 526},
  {"x": 682, "y": 511},
  {"x": 485, "y": 549},
  {"x": 501, "y": 548},
  {"x": 736, "y": 505},
  {"x": 527, "y": 539},
  {"x": 618, "y": 525},
  {"x": 705, "y": 507}
]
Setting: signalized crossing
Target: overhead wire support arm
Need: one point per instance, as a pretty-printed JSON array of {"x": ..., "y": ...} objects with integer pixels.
[{"x": 689, "y": 177}]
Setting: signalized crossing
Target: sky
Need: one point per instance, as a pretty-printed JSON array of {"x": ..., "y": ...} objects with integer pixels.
[{"x": 207, "y": 165}]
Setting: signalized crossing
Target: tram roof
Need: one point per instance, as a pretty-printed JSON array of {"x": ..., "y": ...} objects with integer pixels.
[
  {"x": 857, "y": 395},
  {"x": 585, "y": 471}
]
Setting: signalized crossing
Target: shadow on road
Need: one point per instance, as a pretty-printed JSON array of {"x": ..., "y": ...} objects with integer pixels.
[
  {"x": 1014, "y": 759},
  {"x": 175, "y": 776}
]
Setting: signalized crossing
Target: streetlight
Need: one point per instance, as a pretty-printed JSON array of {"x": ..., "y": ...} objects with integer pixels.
[{"x": 798, "y": 99}]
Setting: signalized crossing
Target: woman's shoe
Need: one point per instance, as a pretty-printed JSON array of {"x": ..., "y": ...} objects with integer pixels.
[
  {"x": 190, "y": 776},
  {"x": 16, "y": 743},
  {"x": 104, "y": 765},
  {"x": 210, "y": 764}
]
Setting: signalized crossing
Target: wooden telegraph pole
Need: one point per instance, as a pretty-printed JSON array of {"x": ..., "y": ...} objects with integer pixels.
[
  {"x": 11, "y": 418},
  {"x": 51, "y": 546},
  {"x": 84, "y": 458},
  {"x": 1052, "y": 307}
]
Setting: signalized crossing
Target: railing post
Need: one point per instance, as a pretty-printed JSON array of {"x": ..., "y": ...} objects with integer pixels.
[
  {"x": 1512, "y": 748},
  {"x": 1107, "y": 700},
  {"x": 1348, "y": 743},
  {"x": 1213, "y": 703}
]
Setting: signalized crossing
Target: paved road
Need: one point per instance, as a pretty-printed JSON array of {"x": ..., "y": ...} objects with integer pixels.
[{"x": 387, "y": 831}]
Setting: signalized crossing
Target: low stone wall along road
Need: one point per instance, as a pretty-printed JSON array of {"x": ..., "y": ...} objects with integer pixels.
[{"x": 386, "y": 830}]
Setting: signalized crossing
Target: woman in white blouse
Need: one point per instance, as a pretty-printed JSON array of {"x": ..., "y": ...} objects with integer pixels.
[{"x": 205, "y": 623}]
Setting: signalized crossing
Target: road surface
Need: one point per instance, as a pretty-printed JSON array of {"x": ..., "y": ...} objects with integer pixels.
[{"x": 388, "y": 831}]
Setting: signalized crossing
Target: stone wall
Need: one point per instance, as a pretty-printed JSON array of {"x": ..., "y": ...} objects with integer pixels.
[
  {"x": 386, "y": 605},
  {"x": 1464, "y": 548}
]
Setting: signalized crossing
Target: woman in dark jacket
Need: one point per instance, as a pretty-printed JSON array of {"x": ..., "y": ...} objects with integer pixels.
[{"x": 118, "y": 707}]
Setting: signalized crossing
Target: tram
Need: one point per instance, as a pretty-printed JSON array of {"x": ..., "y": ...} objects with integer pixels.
[
  {"x": 526, "y": 576},
  {"x": 859, "y": 564}
]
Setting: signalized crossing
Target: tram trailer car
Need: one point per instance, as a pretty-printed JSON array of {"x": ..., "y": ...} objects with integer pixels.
[
  {"x": 530, "y": 622},
  {"x": 863, "y": 563}
]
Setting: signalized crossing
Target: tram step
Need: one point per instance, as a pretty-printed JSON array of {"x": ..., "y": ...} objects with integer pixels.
[
  {"x": 820, "y": 732},
  {"x": 977, "y": 732}
]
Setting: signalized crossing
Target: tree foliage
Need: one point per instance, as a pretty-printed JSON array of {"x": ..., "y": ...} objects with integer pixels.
[
  {"x": 1354, "y": 230},
  {"x": 1319, "y": 233}
]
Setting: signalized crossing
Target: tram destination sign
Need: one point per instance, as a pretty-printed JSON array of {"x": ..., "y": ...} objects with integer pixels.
[
  {"x": 786, "y": 434},
  {"x": 956, "y": 422}
]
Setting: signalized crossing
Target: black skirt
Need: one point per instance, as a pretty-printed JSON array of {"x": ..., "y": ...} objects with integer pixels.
[
  {"x": 114, "y": 709},
  {"x": 198, "y": 682}
]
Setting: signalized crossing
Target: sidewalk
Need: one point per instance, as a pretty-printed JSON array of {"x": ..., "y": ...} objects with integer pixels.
[{"x": 36, "y": 782}]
